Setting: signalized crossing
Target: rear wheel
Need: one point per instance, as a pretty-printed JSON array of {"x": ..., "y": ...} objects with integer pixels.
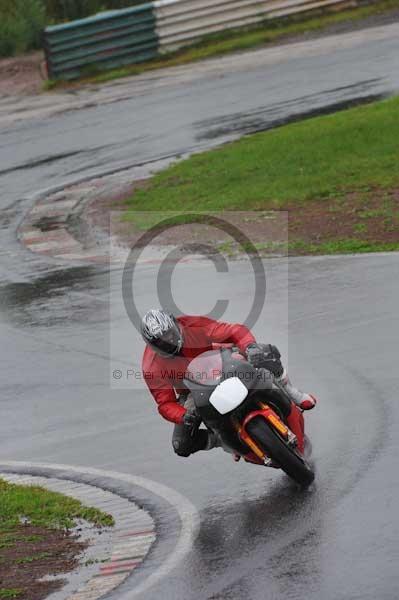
[{"x": 276, "y": 448}]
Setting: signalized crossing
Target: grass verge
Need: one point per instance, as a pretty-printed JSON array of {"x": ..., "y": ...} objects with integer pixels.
[
  {"x": 43, "y": 508},
  {"x": 35, "y": 539},
  {"x": 335, "y": 175},
  {"x": 238, "y": 40}
]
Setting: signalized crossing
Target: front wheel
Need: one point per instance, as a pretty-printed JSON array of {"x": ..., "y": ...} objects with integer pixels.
[{"x": 288, "y": 459}]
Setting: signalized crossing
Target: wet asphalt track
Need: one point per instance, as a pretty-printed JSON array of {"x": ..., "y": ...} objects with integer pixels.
[{"x": 259, "y": 538}]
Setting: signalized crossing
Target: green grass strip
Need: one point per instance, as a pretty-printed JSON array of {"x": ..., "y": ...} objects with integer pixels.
[
  {"x": 40, "y": 507},
  {"x": 319, "y": 158},
  {"x": 342, "y": 246}
]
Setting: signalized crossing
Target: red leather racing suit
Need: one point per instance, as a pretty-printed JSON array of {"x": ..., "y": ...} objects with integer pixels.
[{"x": 164, "y": 376}]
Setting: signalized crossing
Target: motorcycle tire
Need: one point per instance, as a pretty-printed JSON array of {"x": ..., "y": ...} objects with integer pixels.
[{"x": 280, "y": 452}]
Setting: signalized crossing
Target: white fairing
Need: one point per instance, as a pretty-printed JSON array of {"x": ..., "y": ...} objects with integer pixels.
[{"x": 228, "y": 395}]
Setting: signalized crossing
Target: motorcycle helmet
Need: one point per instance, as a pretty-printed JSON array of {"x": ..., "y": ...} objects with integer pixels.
[{"x": 162, "y": 332}]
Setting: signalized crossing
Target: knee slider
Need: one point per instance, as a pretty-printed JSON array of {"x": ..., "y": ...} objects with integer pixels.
[{"x": 181, "y": 449}]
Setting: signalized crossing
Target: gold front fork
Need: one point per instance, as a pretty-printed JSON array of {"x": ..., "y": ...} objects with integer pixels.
[{"x": 248, "y": 440}]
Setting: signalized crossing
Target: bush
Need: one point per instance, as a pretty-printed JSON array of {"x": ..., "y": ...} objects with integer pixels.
[
  {"x": 22, "y": 21},
  {"x": 21, "y": 25}
]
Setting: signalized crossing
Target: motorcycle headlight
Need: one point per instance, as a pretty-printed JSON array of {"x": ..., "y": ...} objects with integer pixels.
[{"x": 228, "y": 395}]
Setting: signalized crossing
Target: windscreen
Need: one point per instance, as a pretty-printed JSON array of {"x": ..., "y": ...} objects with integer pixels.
[{"x": 206, "y": 369}]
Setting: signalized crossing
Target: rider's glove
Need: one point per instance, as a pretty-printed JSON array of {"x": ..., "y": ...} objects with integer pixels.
[
  {"x": 266, "y": 356},
  {"x": 191, "y": 419}
]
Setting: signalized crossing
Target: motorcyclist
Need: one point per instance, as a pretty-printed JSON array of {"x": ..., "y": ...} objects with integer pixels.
[{"x": 171, "y": 343}]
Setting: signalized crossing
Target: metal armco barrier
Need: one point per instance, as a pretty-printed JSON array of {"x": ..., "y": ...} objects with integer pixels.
[
  {"x": 121, "y": 37},
  {"x": 107, "y": 40},
  {"x": 181, "y": 22}
]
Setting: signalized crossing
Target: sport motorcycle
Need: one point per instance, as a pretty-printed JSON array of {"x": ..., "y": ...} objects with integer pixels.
[{"x": 250, "y": 412}]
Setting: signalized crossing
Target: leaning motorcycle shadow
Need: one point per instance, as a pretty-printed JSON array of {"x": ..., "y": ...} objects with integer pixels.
[
  {"x": 243, "y": 537},
  {"x": 227, "y": 528}
]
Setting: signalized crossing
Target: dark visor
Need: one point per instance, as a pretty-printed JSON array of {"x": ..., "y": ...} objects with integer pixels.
[{"x": 169, "y": 343}]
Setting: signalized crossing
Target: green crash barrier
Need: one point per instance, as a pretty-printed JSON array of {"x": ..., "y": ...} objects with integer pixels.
[{"x": 105, "y": 41}]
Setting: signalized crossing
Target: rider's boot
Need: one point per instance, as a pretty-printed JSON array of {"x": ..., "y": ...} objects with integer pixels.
[{"x": 301, "y": 399}]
